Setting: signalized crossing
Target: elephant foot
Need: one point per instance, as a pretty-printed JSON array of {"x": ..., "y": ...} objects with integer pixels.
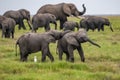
[
  {"x": 71, "y": 60},
  {"x": 83, "y": 60},
  {"x": 52, "y": 60}
]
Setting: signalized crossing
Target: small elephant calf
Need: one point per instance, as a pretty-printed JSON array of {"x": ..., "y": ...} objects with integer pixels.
[
  {"x": 8, "y": 25},
  {"x": 70, "y": 25},
  {"x": 94, "y": 22},
  {"x": 43, "y": 20},
  {"x": 71, "y": 41}
]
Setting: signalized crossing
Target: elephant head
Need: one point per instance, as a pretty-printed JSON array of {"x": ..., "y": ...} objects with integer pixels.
[
  {"x": 80, "y": 37},
  {"x": 56, "y": 35},
  {"x": 70, "y": 25},
  {"x": 107, "y": 22},
  {"x": 70, "y": 9},
  {"x": 25, "y": 15},
  {"x": 52, "y": 19}
]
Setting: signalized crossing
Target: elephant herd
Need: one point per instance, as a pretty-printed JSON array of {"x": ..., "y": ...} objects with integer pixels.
[{"x": 68, "y": 39}]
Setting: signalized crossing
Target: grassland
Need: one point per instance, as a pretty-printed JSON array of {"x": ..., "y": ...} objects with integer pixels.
[{"x": 101, "y": 63}]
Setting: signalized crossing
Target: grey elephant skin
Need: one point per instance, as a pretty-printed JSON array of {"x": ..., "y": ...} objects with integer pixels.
[
  {"x": 94, "y": 22},
  {"x": 70, "y": 25},
  {"x": 71, "y": 41},
  {"x": 62, "y": 11},
  {"x": 43, "y": 20},
  {"x": 19, "y": 16},
  {"x": 7, "y": 26},
  {"x": 34, "y": 42}
]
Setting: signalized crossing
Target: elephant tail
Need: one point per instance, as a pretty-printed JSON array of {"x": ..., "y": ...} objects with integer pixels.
[{"x": 93, "y": 43}]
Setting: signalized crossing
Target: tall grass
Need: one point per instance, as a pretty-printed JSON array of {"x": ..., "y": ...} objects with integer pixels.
[{"x": 101, "y": 63}]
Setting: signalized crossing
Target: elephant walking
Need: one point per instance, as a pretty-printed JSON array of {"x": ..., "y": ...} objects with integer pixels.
[
  {"x": 34, "y": 42},
  {"x": 71, "y": 41},
  {"x": 19, "y": 16},
  {"x": 70, "y": 25},
  {"x": 93, "y": 22},
  {"x": 62, "y": 11},
  {"x": 43, "y": 20},
  {"x": 8, "y": 26}
]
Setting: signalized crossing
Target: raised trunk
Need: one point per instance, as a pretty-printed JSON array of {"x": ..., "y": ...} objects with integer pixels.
[{"x": 84, "y": 10}]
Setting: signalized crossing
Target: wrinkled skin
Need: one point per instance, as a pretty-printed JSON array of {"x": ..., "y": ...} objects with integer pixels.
[
  {"x": 34, "y": 42},
  {"x": 19, "y": 16},
  {"x": 70, "y": 25},
  {"x": 43, "y": 20},
  {"x": 71, "y": 41},
  {"x": 62, "y": 11},
  {"x": 94, "y": 22},
  {"x": 7, "y": 25}
]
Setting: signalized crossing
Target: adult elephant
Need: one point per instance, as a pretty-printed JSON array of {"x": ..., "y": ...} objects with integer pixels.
[
  {"x": 19, "y": 16},
  {"x": 43, "y": 20},
  {"x": 70, "y": 25},
  {"x": 94, "y": 22},
  {"x": 34, "y": 42},
  {"x": 62, "y": 11},
  {"x": 7, "y": 25},
  {"x": 71, "y": 41}
]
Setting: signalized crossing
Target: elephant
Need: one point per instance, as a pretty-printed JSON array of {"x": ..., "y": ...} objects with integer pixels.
[
  {"x": 62, "y": 11},
  {"x": 8, "y": 27},
  {"x": 93, "y": 22},
  {"x": 70, "y": 25},
  {"x": 34, "y": 42},
  {"x": 43, "y": 20},
  {"x": 19, "y": 16},
  {"x": 71, "y": 41}
]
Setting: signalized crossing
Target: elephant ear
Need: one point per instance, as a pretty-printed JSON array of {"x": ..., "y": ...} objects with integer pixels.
[
  {"x": 72, "y": 41},
  {"x": 66, "y": 9}
]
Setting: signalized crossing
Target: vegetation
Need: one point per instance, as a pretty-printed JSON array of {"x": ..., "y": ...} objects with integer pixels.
[{"x": 101, "y": 63}]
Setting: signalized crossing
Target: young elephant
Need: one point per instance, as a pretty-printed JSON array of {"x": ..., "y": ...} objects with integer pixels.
[
  {"x": 94, "y": 22},
  {"x": 34, "y": 42},
  {"x": 71, "y": 41},
  {"x": 43, "y": 20},
  {"x": 7, "y": 26},
  {"x": 70, "y": 25}
]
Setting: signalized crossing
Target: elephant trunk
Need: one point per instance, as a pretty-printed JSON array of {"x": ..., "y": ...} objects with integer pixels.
[
  {"x": 111, "y": 28},
  {"x": 30, "y": 25},
  {"x": 93, "y": 43},
  {"x": 55, "y": 25},
  {"x": 84, "y": 10}
]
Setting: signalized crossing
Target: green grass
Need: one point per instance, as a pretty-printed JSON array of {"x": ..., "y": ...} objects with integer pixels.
[{"x": 101, "y": 63}]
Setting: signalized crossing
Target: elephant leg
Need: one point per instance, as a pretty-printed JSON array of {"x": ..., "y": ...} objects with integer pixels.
[
  {"x": 23, "y": 56},
  {"x": 50, "y": 56},
  {"x": 60, "y": 51},
  {"x": 67, "y": 56},
  {"x": 62, "y": 21},
  {"x": 45, "y": 51},
  {"x": 99, "y": 27},
  {"x": 12, "y": 34},
  {"x": 81, "y": 53},
  {"x": 70, "y": 51},
  {"x": 47, "y": 27},
  {"x": 102, "y": 27}
]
